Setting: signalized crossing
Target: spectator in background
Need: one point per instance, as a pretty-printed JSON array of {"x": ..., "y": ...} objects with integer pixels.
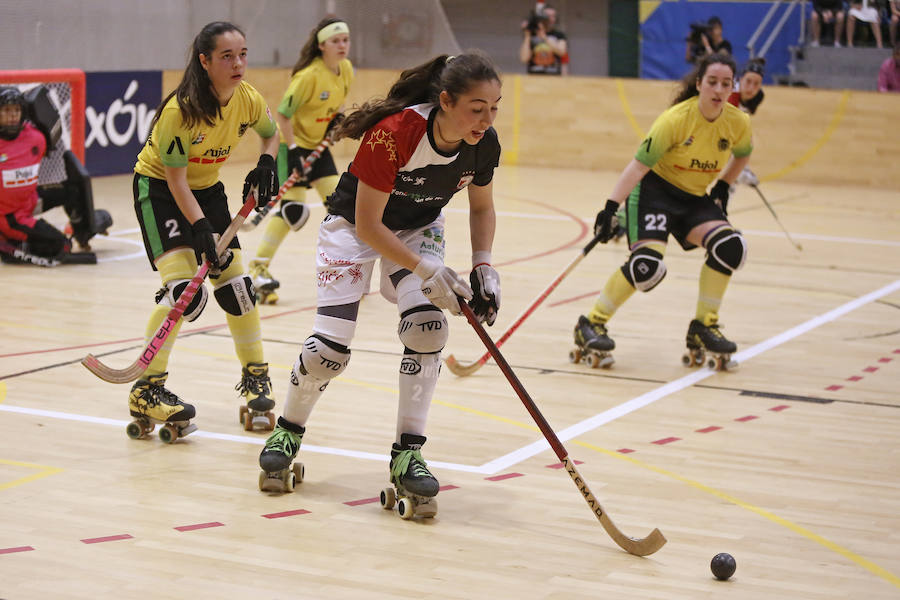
[
  {"x": 825, "y": 12},
  {"x": 889, "y": 73},
  {"x": 543, "y": 46},
  {"x": 861, "y": 10},
  {"x": 895, "y": 20},
  {"x": 705, "y": 40}
]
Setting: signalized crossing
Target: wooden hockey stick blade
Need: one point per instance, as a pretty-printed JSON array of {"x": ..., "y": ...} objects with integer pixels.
[
  {"x": 636, "y": 546},
  {"x": 461, "y": 370},
  {"x": 134, "y": 370}
]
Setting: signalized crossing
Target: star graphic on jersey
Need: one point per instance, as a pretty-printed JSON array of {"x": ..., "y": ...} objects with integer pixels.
[
  {"x": 383, "y": 137},
  {"x": 355, "y": 274}
]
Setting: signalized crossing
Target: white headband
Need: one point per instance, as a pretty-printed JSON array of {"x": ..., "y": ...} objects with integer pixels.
[{"x": 332, "y": 29}]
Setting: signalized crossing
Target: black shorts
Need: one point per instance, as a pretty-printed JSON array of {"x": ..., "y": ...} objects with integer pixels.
[
  {"x": 655, "y": 208},
  {"x": 164, "y": 226},
  {"x": 321, "y": 167}
]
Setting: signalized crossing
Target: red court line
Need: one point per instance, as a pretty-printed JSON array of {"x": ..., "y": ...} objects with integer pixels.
[
  {"x": 667, "y": 440},
  {"x": 854, "y": 378},
  {"x": 885, "y": 360},
  {"x": 109, "y": 538},
  {"x": 559, "y": 465},
  {"x": 199, "y": 526},
  {"x": 870, "y": 369},
  {"x": 834, "y": 388},
  {"x": 745, "y": 419},
  {"x": 574, "y": 298},
  {"x": 287, "y": 513},
  {"x": 897, "y": 351},
  {"x": 625, "y": 450},
  {"x": 447, "y": 488},
  {"x": 363, "y": 501},
  {"x": 709, "y": 429},
  {"x": 17, "y": 549},
  {"x": 780, "y": 408},
  {"x": 504, "y": 476}
]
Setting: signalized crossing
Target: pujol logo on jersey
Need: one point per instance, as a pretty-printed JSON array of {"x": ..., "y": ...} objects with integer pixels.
[
  {"x": 21, "y": 176},
  {"x": 212, "y": 155}
]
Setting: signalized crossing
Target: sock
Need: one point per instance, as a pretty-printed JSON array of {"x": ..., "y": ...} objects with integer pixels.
[
  {"x": 712, "y": 290},
  {"x": 247, "y": 335},
  {"x": 303, "y": 392},
  {"x": 614, "y": 295},
  {"x": 416, "y": 389},
  {"x": 276, "y": 231},
  {"x": 181, "y": 264}
]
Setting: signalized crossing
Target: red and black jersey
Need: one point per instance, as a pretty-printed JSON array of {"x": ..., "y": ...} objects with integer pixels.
[
  {"x": 749, "y": 106},
  {"x": 399, "y": 156},
  {"x": 20, "y": 161}
]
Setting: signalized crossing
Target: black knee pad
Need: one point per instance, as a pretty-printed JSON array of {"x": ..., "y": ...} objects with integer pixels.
[
  {"x": 169, "y": 294},
  {"x": 236, "y": 296},
  {"x": 644, "y": 269},
  {"x": 726, "y": 251},
  {"x": 295, "y": 214}
]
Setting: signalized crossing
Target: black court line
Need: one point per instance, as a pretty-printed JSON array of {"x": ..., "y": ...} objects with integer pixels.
[{"x": 63, "y": 364}]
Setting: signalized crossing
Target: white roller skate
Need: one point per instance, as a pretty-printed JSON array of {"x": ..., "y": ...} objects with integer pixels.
[
  {"x": 415, "y": 487},
  {"x": 150, "y": 403},
  {"x": 278, "y": 474},
  {"x": 707, "y": 344},
  {"x": 592, "y": 345}
]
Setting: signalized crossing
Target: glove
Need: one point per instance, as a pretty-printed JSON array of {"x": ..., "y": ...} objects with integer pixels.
[
  {"x": 264, "y": 178},
  {"x": 295, "y": 163},
  {"x": 606, "y": 223},
  {"x": 334, "y": 123},
  {"x": 719, "y": 194},
  {"x": 748, "y": 177},
  {"x": 441, "y": 285},
  {"x": 486, "y": 292},
  {"x": 205, "y": 242}
]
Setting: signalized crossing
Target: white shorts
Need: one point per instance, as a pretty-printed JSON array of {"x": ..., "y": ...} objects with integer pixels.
[
  {"x": 865, "y": 13},
  {"x": 344, "y": 263}
]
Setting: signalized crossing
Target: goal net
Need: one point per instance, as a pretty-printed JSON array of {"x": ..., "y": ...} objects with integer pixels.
[{"x": 66, "y": 91}]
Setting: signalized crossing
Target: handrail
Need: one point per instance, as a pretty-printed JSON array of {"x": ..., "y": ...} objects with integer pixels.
[
  {"x": 762, "y": 26},
  {"x": 777, "y": 29}
]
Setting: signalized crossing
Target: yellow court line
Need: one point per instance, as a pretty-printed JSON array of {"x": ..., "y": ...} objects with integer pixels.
[
  {"x": 627, "y": 109},
  {"x": 43, "y": 472},
  {"x": 2, "y": 391},
  {"x": 859, "y": 560}
]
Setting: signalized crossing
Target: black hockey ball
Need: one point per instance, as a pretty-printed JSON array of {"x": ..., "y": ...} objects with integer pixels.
[{"x": 722, "y": 566}]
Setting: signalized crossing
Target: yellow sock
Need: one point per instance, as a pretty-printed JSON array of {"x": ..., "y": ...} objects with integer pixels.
[
  {"x": 712, "y": 290},
  {"x": 614, "y": 295},
  {"x": 245, "y": 329},
  {"x": 276, "y": 231},
  {"x": 180, "y": 264}
]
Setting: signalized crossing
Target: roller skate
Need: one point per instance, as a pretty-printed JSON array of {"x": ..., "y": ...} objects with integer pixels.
[
  {"x": 278, "y": 474},
  {"x": 592, "y": 344},
  {"x": 256, "y": 387},
  {"x": 707, "y": 342},
  {"x": 264, "y": 283},
  {"x": 150, "y": 403},
  {"x": 415, "y": 487}
]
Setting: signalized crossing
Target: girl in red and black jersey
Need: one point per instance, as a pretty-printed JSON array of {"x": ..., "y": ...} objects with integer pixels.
[{"x": 430, "y": 138}]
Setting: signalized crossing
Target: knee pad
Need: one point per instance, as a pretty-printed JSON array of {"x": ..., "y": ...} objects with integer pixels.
[
  {"x": 295, "y": 214},
  {"x": 322, "y": 358},
  {"x": 726, "y": 251},
  {"x": 644, "y": 269},
  {"x": 169, "y": 294},
  {"x": 423, "y": 330},
  {"x": 236, "y": 296}
]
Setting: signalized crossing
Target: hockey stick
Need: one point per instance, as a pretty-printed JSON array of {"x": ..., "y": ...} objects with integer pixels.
[
  {"x": 461, "y": 370},
  {"x": 133, "y": 371},
  {"x": 777, "y": 220},
  {"x": 288, "y": 184},
  {"x": 638, "y": 547}
]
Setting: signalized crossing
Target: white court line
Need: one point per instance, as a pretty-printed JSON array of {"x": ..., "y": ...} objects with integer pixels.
[{"x": 526, "y": 452}]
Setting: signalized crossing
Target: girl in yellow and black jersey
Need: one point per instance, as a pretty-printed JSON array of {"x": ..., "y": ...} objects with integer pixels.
[
  {"x": 699, "y": 140},
  {"x": 311, "y": 105},
  {"x": 181, "y": 204}
]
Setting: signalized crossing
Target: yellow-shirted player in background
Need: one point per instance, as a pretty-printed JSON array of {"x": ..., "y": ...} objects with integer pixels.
[
  {"x": 700, "y": 139},
  {"x": 311, "y": 105},
  {"x": 180, "y": 205}
]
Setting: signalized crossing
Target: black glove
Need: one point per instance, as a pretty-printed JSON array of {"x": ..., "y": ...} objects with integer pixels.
[
  {"x": 719, "y": 194},
  {"x": 205, "y": 242},
  {"x": 335, "y": 122},
  {"x": 605, "y": 225},
  {"x": 295, "y": 163},
  {"x": 265, "y": 178}
]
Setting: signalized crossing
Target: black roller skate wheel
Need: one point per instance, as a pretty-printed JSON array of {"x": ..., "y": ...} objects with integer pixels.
[
  {"x": 299, "y": 471},
  {"x": 134, "y": 430},
  {"x": 406, "y": 509},
  {"x": 686, "y": 359},
  {"x": 168, "y": 434},
  {"x": 388, "y": 498},
  {"x": 575, "y": 356}
]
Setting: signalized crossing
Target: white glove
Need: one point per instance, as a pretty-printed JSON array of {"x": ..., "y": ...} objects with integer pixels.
[
  {"x": 486, "y": 288},
  {"x": 441, "y": 285},
  {"x": 747, "y": 177}
]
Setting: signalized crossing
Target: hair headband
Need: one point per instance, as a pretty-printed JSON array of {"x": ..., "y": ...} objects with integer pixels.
[
  {"x": 755, "y": 67},
  {"x": 332, "y": 29}
]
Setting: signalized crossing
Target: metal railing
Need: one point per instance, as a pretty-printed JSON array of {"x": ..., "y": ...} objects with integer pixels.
[{"x": 778, "y": 26}]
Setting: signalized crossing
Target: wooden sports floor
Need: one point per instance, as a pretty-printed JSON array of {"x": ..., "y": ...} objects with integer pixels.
[{"x": 790, "y": 464}]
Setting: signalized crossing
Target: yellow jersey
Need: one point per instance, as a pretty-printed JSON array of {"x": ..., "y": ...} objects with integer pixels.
[
  {"x": 688, "y": 151},
  {"x": 313, "y": 97},
  {"x": 203, "y": 148}
]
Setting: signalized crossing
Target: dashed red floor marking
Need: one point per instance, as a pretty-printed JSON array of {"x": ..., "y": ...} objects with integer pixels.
[
  {"x": 854, "y": 378},
  {"x": 363, "y": 501},
  {"x": 199, "y": 526},
  {"x": 625, "y": 450},
  {"x": 885, "y": 360},
  {"x": 667, "y": 440},
  {"x": 447, "y": 488},
  {"x": 504, "y": 476},
  {"x": 109, "y": 538},
  {"x": 780, "y": 408},
  {"x": 709, "y": 429},
  {"x": 834, "y": 388},
  {"x": 897, "y": 351},
  {"x": 870, "y": 369},
  {"x": 17, "y": 549},
  {"x": 559, "y": 465},
  {"x": 745, "y": 419},
  {"x": 287, "y": 513}
]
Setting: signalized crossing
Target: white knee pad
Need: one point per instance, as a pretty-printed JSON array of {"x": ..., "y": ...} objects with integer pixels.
[
  {"x": 423, "y": 329},
  {"x": 295, "y": 214},
  {"x": 168, "y": 295},
  {"x": 322, "y": 358},
  {"x": 645, "y": 269},
  {"x": 236, "y": 296}
]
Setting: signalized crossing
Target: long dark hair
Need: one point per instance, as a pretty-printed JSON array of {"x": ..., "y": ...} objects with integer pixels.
[
  {"x": 310, "y": 49},
  {"x": 688, "y": 86},
  {"x": 196, "y": 97},
  {"x": 421, "y": 84}
]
